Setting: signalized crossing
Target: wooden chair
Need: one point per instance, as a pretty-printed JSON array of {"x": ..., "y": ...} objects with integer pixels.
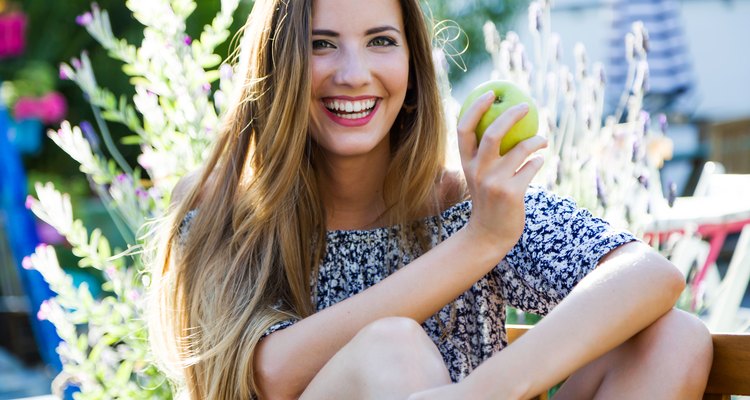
[{"x": 730, "y": 372}]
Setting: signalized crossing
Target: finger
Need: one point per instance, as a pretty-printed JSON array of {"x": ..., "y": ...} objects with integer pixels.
[
  {"x": 489, "y": 147},
  {"x": 528, "y": 170},
  {"x": 467, "y": 138},
  {"x": 516, "y": 156}
]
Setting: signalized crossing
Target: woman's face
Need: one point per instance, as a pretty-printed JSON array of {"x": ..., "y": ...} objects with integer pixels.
[{"x": 360, "y": 73}]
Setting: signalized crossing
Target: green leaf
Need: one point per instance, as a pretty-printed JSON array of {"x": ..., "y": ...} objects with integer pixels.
[
  {"x": 131, "y": 140},
  {"x": 123, "y": 373},
  {"x": 104, "y": 249},
  {"x": 210, "y": 60},
  {"x": 140, "y": 81},
  {"x": 131, "y": 70},
  {"x": 212, "y": 76},
  {"x": 113, "y": 116},
  {"x": 83, "y": 343}
]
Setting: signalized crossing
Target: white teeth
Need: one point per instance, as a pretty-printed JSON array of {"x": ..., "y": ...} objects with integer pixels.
[
  {"x": 354, "y": 115},
  {"x": 350, "y": 106}
]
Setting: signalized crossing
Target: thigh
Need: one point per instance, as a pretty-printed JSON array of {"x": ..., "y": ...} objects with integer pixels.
[{"x": 388, "y": 359}]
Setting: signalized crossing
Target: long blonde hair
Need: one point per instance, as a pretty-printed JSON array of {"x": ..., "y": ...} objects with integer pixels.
[{"x": 259, "y": 233}]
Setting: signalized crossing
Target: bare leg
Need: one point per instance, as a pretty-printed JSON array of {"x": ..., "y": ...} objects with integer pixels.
[
  {"x": 388, "y": 359},
  {"x": 670, "y": 359}
]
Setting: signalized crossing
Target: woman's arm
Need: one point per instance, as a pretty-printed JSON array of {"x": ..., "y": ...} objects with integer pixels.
[
  {"x": 632, "y": 287},
  {"x": 287, "y": 360}
]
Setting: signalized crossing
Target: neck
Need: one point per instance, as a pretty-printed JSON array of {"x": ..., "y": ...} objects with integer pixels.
[{"x": 351, "y": 189}]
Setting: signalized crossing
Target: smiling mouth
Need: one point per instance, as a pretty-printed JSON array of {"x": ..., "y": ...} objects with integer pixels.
[{"x": 347, "y": 109}]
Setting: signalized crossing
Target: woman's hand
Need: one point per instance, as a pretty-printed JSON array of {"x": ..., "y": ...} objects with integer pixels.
[{"x": 497, "y": 183}]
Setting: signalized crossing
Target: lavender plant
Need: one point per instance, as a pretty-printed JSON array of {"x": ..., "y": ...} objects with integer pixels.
[
  {"x": 608, "y": 166},
  {"x": 608, "y": 163},
  {"x": 104, "y": 345}
]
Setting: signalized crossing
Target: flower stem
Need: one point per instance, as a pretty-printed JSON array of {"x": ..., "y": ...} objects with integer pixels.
[{"x": 109, "y": 143}]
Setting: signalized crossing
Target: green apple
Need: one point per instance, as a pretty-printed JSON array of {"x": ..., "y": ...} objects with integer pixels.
[{"x": 507, "y": 95}]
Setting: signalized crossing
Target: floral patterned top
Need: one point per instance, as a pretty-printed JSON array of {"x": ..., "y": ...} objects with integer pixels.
[{"x": 560, "y": 244}]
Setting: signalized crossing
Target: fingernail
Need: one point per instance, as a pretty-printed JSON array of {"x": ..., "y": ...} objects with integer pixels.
[
  {"x": 523, "y": 106},
  {"x": 489, "y": 94}
]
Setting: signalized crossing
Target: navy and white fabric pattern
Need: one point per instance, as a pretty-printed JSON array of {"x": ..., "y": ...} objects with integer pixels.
[{"x": 560, "y": 244}]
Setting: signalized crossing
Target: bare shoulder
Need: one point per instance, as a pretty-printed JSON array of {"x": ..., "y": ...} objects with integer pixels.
[{"x": 452, "y": 188}]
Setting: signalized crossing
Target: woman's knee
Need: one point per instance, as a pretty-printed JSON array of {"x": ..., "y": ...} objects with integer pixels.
[
  {"x": 681, "y": 338},
  {"x": 683, "y": 330},
  {"x": 401, "y": 345}
]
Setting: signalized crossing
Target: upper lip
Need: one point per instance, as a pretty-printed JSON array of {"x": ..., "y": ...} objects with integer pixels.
[{"x": 350, "y": 98}]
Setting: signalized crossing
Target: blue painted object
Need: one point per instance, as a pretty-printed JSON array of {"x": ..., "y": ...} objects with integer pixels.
[
  {"x": 19, "y": 224},
  {"x": 26, "y": 136}
]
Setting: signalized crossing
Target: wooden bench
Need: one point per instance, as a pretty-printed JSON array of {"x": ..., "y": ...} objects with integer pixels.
[{"x": 730, "y": 372}]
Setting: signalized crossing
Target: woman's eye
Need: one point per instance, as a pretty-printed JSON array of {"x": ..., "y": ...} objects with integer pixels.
[
  {"x": 321, "y": 44},
  {"x": 383, "y": 41}
]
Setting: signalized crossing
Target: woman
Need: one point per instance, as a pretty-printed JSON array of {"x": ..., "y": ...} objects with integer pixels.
[{"x": 284, "y": 272}]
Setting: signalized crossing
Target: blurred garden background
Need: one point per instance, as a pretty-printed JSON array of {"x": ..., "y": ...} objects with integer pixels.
[{"x": 649, "y": 126}]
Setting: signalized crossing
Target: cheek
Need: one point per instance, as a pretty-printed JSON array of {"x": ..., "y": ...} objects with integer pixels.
[
  {"x": 397, "y": 74},
  {"x": 316, "y": 77}
]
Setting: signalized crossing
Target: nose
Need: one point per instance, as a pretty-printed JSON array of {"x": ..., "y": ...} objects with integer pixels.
[{"x": 353, "y": 70}]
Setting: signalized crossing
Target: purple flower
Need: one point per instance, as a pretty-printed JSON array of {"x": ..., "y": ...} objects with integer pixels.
[
  {"x": 646, "y": 117},
  {"x": 84, "y": 19},
  {"x": 663, "y": 124},
  {"x": 643, "y": 180},
  {"x": 142, "y": 194},
  {"x": 206, "y": 87},
  {"x": 29, "y": 202},
  {"x": 122, "y": 178},
  {"x": 76, "y": 63},
  {"x": 187, "y": 40},
  {"x": 48, "y": 234},
  {"x": 90, "y": 135}
]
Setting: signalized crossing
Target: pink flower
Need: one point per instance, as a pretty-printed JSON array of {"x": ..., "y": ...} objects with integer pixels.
[
  {"x": 53, "y": 108},
  {"x": 26, "y": 108},
  {"x": 63, "y": 74},
  {"x": 13, "y": 26},
  {"x": 26, "y": 263},
  {"x": 133, "y": 295},
  {"x": 84, "y": 19},
  {"x": 44, "y": 311},
  {"x": 29, "y": 201},
  {"x": 50, "y": 109}
]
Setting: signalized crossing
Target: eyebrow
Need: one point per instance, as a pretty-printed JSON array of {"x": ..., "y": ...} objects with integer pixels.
[{"x": 371, "y": 31}]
